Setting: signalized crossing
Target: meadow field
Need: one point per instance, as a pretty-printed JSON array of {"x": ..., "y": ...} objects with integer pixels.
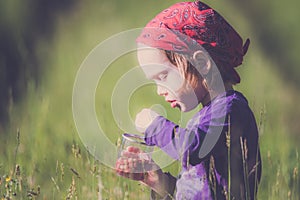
[{"x": 42, "y": 155}]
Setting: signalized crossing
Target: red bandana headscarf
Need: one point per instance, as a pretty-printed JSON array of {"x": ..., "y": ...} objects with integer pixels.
[{"x": 183, "y": 26}]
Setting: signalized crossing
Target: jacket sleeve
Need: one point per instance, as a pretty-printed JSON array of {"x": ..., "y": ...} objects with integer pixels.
[
  {"x": 191, "y": 144},
  {"x": 171, "y": 138}
]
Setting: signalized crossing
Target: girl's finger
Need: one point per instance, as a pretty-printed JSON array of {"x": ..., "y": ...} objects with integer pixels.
[
  {"x": 127, "y": 154},
  {"x": 133, "y": 149}
]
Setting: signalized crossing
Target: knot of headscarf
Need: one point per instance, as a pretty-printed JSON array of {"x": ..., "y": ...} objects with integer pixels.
[{"x": 183, "y": 26}]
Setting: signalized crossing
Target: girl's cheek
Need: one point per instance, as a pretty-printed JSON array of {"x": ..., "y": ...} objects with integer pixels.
[{"x": 173, "y": 83}]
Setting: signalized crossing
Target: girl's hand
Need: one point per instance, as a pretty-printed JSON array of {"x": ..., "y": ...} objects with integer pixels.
[
  {"x": 136, "y": 165},
  {"x": 144, "y": 119}
]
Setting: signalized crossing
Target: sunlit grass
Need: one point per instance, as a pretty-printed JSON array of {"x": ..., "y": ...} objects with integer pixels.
[{"x": 52, "y": 160}]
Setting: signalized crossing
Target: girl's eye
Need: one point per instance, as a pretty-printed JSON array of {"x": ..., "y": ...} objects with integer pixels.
[{"x": 162, "y": 76}]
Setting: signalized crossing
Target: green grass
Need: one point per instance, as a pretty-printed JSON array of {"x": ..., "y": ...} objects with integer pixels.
[{"x": 54, "y": 163}]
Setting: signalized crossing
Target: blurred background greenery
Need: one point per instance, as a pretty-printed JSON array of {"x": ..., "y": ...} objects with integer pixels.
[{"x": 42, "y": 45}]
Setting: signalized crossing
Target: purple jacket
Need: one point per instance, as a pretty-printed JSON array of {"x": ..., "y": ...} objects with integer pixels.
[{"x": 202, "y": 149}]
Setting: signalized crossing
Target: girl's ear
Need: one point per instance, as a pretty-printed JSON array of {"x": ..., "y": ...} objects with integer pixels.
[{"x": 202, "y": 62}]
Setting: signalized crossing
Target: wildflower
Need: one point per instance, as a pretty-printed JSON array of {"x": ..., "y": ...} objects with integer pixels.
[{"x": 7, "y": 179}]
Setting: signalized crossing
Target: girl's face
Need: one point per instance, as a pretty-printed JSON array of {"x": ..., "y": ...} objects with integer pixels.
[{"x": 170, "y": 83}]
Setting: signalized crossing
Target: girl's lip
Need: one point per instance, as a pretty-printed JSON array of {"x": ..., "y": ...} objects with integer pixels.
[
  {"x": 173, "y": 103},
  {"x": 170, "y": 101}
]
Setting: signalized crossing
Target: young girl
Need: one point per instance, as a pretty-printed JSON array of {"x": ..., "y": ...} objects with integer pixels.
[{"x": 190, "y": 51}]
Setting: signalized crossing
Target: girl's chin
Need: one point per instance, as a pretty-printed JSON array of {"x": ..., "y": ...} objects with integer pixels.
[{"x": 184, "y": 108}]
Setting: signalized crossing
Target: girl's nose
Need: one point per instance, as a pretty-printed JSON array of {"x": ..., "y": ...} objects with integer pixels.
[{"x": 161, "y": 91}]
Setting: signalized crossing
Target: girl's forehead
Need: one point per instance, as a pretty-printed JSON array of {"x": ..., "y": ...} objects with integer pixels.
[
  {"x": 151, "y": 55},
  {"x": 152, "y": 70},
  {"x": 154, "y": 61}
]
